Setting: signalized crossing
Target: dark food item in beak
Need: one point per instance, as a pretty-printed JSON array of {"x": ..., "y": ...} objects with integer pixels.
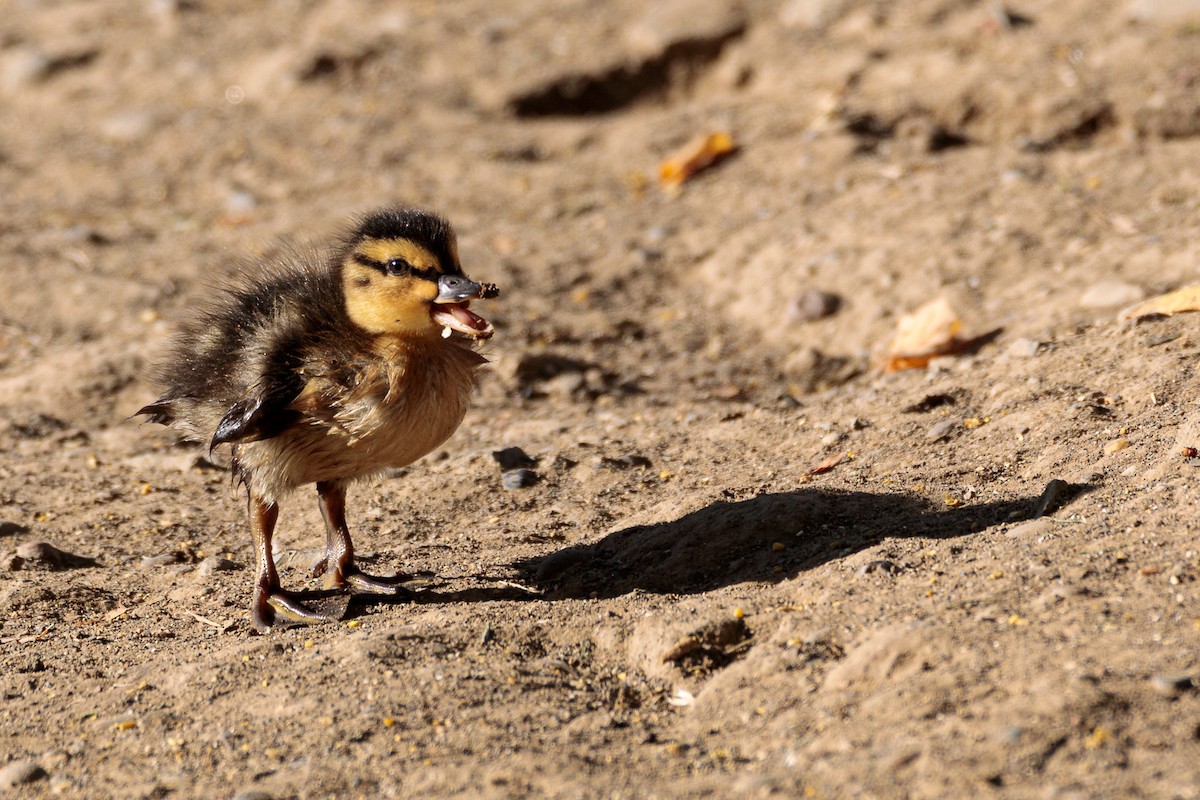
[{"x": 450, "y": 306}]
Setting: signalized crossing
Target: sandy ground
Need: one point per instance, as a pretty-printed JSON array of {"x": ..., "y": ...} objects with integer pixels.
[{"x": 681, "y": 605}]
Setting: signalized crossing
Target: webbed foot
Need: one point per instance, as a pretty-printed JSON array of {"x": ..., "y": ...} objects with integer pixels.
[
  {"x": 277, "y": 607},
  {"x": 348, "y": 577}
]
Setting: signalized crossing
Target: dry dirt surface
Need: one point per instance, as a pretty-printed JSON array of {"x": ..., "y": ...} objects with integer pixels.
[{"x": 751, "y": 563}]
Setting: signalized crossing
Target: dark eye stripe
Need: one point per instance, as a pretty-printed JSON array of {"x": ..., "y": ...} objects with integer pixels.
[
  {"x": 424, "y": 274},
  {"x": 359, "y": 258}
]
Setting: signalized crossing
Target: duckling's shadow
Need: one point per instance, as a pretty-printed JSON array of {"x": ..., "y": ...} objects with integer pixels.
[{"x": 767, "y": 538}]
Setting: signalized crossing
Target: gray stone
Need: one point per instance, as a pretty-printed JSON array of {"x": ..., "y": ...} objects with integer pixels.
[
  {"x": 942, "y": 430},
  {"x": 1057, "y": 493},
  {"x": 1172, "y": 685},
  {"x": 19, "y": 773},
  {"x": 813, "y": 304},
  {"x": 518, "y": 478}
]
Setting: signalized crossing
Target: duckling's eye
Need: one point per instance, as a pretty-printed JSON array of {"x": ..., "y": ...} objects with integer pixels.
[{"x": 398, "y": 266}]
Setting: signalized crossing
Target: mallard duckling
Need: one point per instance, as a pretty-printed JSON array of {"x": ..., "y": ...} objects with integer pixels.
[{"x": 325, "y": 370}]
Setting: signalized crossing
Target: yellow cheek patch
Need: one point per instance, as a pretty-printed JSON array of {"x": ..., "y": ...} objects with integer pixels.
[
  {"x": 384, "y": 250},
  {"x": 387, "y": 304}
]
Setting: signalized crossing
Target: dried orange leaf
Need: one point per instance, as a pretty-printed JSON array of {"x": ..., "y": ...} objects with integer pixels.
[
  {"x": 1185, "y": 299},
  {"x": 932, "y": 330},
  {"x": 696, "y": 155},
  {"x": 828, "y": 464}
]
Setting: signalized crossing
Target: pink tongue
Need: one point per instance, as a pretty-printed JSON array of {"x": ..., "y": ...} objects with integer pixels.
[{"x": 468, "y": 317}]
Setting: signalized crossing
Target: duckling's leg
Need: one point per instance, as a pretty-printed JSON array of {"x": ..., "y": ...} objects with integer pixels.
[
  {"x": 271, "y": 602},
  {"x": 339, "y": 568}
]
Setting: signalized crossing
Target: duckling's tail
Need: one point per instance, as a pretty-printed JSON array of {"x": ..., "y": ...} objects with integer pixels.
[{"x": 161, "y": 411}]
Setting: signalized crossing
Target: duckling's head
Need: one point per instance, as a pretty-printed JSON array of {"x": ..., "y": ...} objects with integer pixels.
[{"x": 401, "y": 276}]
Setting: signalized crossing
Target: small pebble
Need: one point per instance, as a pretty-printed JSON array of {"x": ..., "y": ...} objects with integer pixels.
[
  {"x": 50, "y": 556},
  {"x": 253, "y": 794},
  {"x": 152, "y": 562},
  {"x": 1055, "y": 494},
  {"x": 1172, "y": 685},
  {"x": 624, "y": 462},
  {"x": 23, "y": 67},
  {"x": 1051, "y": 597},
  {"x": 31, "y": 664},
  {"x": 813, "y": 304},
  {"x": 941, "y": 430},
  {"x": 19, "y": 773},
  {"x": 240, "y": 202},
  {"x": 879, "y": 565},
  {"x": 1012, "y": 734},
  {"x": 518, "y": 478},
  {"x": 36, "y": 551},
  {"x": 215, "y": 564},
  {"x": 1023, "y": 348},
  {"x": 127, "y": 126}
]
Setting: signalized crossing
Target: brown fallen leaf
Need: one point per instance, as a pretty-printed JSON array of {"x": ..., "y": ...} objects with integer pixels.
[
  {"x": 828, "y": 463},
  {"x": 1178, "y": 301},
  {"x": 698, "y": 154},
  {"x": 931, "y": 330}
]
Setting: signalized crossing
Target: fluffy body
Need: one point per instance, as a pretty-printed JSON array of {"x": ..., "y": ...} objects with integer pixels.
[
  {"x": 325, "y": 370},
  {"x": 342, "y": 403}
]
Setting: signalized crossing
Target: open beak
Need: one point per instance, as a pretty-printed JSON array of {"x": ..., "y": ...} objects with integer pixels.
[{"x": 455, "y": 293}]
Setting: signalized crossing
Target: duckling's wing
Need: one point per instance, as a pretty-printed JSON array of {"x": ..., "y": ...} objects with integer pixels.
[
  {"x": 253, "y": 419},
  {"x": 161, "y": 411}
]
